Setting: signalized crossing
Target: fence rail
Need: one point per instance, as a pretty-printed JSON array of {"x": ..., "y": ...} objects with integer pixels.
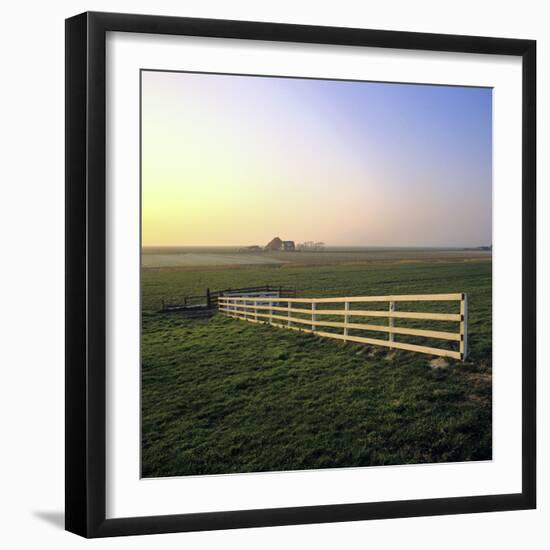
[
  {"x": 210, "y": 298},
  {"x": 269, "y": 310}
]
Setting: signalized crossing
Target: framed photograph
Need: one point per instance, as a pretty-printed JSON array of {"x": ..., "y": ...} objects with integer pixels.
[{"x": 300, "y": 274}]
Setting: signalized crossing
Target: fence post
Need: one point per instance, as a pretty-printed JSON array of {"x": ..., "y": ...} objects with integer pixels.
[
  {"x": 255, "y": 309},
  {"x": 270, "y": 312},
  {"x": 288, "y": 308},
  {"x": 313, "y": 316},
  {"x": 391, "y": 322},
  {"x": 346, "y": 319},
  {"x": 208, "y": 302},
  {"x": 464, "y": 326}
]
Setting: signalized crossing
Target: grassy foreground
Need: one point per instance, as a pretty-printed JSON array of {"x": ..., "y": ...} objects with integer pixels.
[{"x": 221, "y": 395}]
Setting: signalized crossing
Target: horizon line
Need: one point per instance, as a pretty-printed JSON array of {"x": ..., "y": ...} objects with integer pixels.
[{"x": 325, "y": 245}]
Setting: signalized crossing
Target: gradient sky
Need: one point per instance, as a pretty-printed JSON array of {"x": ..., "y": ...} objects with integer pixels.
[{"x": 237, "y": 160}]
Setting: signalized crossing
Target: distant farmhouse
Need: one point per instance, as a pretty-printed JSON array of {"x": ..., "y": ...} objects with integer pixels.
[
  {"x": 289, "y": 246},
  {"x": 277, "y": 244}
]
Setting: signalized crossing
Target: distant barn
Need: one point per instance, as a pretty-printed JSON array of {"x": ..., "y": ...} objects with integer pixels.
[
  {"x": 274, "y": 244},
  {"x": 277, "y": 244}
]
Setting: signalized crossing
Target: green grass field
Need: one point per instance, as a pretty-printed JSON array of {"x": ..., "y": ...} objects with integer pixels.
[{"x": 221, "y": 395}]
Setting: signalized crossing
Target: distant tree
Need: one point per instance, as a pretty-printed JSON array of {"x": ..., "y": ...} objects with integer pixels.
[{"x": 311, "y": 246}]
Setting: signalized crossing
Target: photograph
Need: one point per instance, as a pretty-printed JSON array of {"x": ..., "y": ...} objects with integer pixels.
[{"x": 316, "y": 273}]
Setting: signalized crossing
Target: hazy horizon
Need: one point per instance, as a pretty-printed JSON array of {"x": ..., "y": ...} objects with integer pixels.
[
  {"x": 226, "y": 159},
  {"x": 325, "y": 245}
]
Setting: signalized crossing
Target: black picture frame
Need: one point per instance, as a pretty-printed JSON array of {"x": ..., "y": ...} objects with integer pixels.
[{"x": 86, "y": 279}]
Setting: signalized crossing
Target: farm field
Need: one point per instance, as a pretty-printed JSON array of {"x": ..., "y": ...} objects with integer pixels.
[
  {"x": 194, "y": 256},
  {"x": 220, "y": 395}
]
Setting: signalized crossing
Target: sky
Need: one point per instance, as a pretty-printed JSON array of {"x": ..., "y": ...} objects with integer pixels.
[{"x": 237, "y": 160}]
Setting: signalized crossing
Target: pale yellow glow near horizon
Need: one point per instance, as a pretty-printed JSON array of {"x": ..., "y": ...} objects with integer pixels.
[
  {"x": 205, "y": 184},
  {"x": 240, "y": 160}
]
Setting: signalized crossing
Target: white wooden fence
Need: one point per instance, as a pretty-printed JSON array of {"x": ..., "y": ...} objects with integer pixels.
[{"x": 281, "y": 312}]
